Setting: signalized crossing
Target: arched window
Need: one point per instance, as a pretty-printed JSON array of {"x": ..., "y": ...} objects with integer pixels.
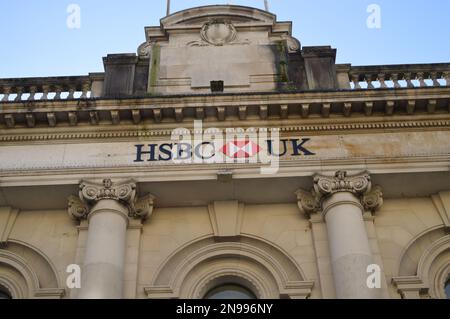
[
  {"x": 230, "y": 291},
  {"x": 447, "y": 288},
  {"x": 4, "y": 293}
]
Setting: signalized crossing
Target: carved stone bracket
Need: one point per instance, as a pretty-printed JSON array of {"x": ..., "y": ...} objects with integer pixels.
[
  {"x": 76, "y": 208},
  {"x": 309, "y": 202},
  {"x": 124, "y": 192},
  {"x": 372, "y": 200},
  {"x": 143, "y": 207}
]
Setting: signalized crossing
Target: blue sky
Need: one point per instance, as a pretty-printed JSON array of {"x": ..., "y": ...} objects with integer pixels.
[{"x": 37, "y": 42}]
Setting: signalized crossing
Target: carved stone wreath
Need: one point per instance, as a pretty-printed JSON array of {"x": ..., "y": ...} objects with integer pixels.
[{"x": 218, "y": 33}]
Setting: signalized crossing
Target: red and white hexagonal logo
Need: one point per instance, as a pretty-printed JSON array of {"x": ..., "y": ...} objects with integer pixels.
[{"x": 241, "y": 149}]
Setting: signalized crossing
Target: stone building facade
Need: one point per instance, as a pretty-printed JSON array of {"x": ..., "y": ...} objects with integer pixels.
[{"x": 336, "y": 178}]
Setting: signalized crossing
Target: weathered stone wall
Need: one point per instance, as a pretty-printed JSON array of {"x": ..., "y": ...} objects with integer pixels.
[{"x": 396, "y": 226}]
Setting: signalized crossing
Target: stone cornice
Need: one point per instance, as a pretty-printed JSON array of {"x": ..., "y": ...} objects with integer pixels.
[
  {"x": 127, "y": 132},
  {"x": 302, "y": 168},
  {"x": 347, "y": 103}
]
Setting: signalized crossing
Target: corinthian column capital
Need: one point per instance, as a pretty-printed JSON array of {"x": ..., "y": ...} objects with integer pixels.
[
  {"x": 360, "y": 185},
  {"x": 357, "y": 184},
  {"x": 91, "y": 193}
]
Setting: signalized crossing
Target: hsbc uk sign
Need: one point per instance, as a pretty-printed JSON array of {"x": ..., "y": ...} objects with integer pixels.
[{"x": 260, "y": 146}]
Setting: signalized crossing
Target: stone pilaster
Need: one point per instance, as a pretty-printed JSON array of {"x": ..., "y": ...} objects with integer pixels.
[
  {"x": 343, "y": 200},
  {"x": 107, "y": 207}
]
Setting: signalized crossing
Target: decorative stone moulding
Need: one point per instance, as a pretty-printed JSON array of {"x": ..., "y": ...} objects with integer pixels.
[
  {"x": 319, "y": 127},
  {"x": 310, "y": 202}
]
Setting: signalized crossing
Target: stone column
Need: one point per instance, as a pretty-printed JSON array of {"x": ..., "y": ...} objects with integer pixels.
[
  {"x": 107, "y": 208},
  {"x": 343, "y": 201}
]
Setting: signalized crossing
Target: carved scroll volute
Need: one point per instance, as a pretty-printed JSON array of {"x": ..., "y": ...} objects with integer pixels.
[
  {"x": 324, "y": 186},
  {"x": 358, "y": 184},
  {"x": 145, "y": 50},
  {"x": 123, "y": 192}
]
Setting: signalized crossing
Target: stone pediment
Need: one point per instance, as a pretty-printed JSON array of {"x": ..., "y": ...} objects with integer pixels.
[
  {"x": 239, "y": 17},
  {"x": 244, "y": 48},
  {"x": 235, "y": 14}
]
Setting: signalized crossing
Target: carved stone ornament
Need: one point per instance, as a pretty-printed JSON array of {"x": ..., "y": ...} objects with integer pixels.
[
  {"x": 358, "y": 184},
  {"x": 145, "y": 50},
  {"x": 76, "y": 208},
  {"x": 218, "y": 32},
  {"x": 373, "y": 200},
  {"x": 125, "y": 193},
  {"x": 143, "y": 207},
  {"x": 308, "y": 202},
  {"x": 293, "y": 44}
]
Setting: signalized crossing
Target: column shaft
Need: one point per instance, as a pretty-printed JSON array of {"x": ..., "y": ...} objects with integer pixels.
[
  {"x": 102, "y": 274},
  {"x": 349, "y": 246}
]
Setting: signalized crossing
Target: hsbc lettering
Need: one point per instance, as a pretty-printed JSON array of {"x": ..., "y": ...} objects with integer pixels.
[
  {"x": 261, "y": 146},
  {"x": 185, "y": 151}
]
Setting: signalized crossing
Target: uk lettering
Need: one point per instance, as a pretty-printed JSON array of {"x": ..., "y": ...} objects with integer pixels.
[{"x": 235, "y": 149}]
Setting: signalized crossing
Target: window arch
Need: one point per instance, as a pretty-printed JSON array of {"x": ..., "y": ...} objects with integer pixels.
[
  {"x": 230, "y": 291},
  {"x": 427, "y": 275},
  {"x": 199, "y": 267},
  {"x": 447, "y": 288},
  {"x": 4, "y": 293},
  {"x": 25, "y": 273}
]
